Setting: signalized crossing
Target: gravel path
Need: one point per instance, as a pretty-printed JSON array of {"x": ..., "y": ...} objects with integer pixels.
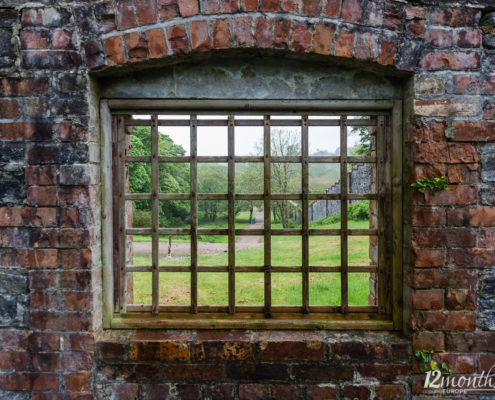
[{"x": 143, "y": 249}]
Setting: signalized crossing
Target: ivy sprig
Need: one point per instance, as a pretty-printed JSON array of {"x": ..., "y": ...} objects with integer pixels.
[
  {"x": 427, "y": 363},
  {"x": 434, "y": 184}
]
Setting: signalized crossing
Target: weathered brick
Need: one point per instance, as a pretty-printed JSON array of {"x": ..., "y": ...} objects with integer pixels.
[
  {"x": 157, "y": 46},
  {"x": 263, "y": 32},
  {"x": 220, "y": 31},
  {"x": 450, "y": 60},
  {"x": 178, "y": 40},
  {"x": 474, "y": 84},
  {"x": 286, "y": 392},
  {"x": 78, "y": 382},
  {"x": 366, "y": 45},
  {"x": 440, "y": 38},
  {"x": 423, "y": 217},
  {"x": 460, "y": 299},
  {"x": 472, "y": 258},
  {"x": 13, "y": 360},
  {"x": 454, "y": 16},
  {"x": 126, "y": 14},
  {"x": 453, "y": 195},
  {"x": 114, "y": 50},
  {"x": 281, "y": 34},
  {"x": 428, "y": 258},
  {"x": 388, "y": 49},
  {"x": 428, "y": 341},
  {"x": 390, "y": 392},
  {"x": 358, "y": 350},
  {"x": 393, "y": 17},
  {"x": 355, "y": 392},
  {"x": 24, "y": 86},
  {"x": 253, "y": 391},
  {"x": 345, "y": 43},
  {"x": 383, "y": 372},
  {"x": 444, "y": 320},
  {"x": 168, "y": 9},
  {"x": 351, "y": 10},
  {"x": 473, "y": 131},
  {"x": 146, "y": 11},
  {"x": 269, "y": 5},
  {"x": 331, "y": 8},
  {"x": 444, "y": 108},
  {"x": 323, "y": 38},
  {"x": 426, "y": 299},
  {"x": 470, "y": 342},
  {"x": 468, "y": 38},
  {"x": 302, "y": 34},
  {"x": 311, "y": 7},
  {"x": 316, "y": 392},
  {"x": 136, "y": 47},
  {"x": 445, "y": 278},
  {"x": 242, "y": 31}
]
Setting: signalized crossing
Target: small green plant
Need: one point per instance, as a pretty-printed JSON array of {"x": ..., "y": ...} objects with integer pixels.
[
  {"x": 292, "y": 378},
  {"x": 434, "y": 184},
  {"x": 427, "y": 363}
]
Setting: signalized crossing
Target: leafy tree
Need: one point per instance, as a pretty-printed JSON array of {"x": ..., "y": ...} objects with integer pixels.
[{"x": 212, "y": 178}]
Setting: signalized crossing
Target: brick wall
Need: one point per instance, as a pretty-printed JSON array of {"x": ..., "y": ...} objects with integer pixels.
[{"x": 50, "y": 263}]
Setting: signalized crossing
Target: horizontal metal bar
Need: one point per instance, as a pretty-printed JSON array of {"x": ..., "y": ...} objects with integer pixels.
[
  {"x": 251, "y": 122},
  {"x": 229, "y": 106},
  {"x": 252, "y": 268}
]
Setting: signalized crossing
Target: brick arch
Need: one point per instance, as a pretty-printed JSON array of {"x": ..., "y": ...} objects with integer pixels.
[{"x": 144, "y": 30}]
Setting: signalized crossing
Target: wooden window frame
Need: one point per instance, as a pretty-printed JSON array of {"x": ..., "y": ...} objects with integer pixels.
[{"x": 386, "y": 315}]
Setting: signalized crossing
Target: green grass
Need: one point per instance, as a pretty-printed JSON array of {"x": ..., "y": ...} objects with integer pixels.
[{"x": 324, "y": 288}]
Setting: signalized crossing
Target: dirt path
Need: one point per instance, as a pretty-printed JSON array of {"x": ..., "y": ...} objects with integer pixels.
[{"x": 143, "y": 249}]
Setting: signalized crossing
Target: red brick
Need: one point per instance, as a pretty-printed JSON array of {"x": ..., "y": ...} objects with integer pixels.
[
  {"x": 42, "y": 300},
  {"x": 428, "y": 341},
  {"x": 315, "y": 392},
  {"x": 463, "y": 173},
  {"x": 468, "y": 38},
  {"x": 453, "y": 16},
  {"x": 292, "y": 350},
  {"x": 193, "y": 372},
  {"x": 114, "y": 50},
  {"x": 311, "y": 7},
  {"x": 486, "y": 362},
  {"x": 110, "y": 350},
  {"x": 344, "y": 44},
  {"x": 383, "y": 372},
  {"x": 393, "y": 16},
  {"x": 486, "y": 237},
  {"x": 444, "y": 320},
  {"x": 366, "y": 45},
  {"x": 441, "y": 38},
  {"x": 416, "y": 28},
  {"x": 200, "y": 39},
  {"x": 68, "y": 132},
  {"x": 390, "y": 392},
  {"x": 253, "y": 391},
  {"x": 35, "y": 131},
  {"x": 351, "y": 10},
  {"x": 459, "y": 363},
  {"x": 445, "y": 278},
  {"x": 358, "y": 350},
  {"x": 13, "y": 360},
  {"x": 124, "y": 391},
  {"x": 249, "y": 5},
  {"x": 324, "y": 34},
  {"x": 242, "y": 31},
  {"x": 146, "y": 11},
  {"x": 331, "y": 8},
  {"x": 472, "y": 258},
  {"x": 488, "y": 110},
  {"x": 452, "y": 60},
  {"x": 432, "y": 131},
  {"x": 220, "y": 33},
  {"x": 29, "y": 381},
  {"x": 77, "y": 301},
  {"x": 35, "y": 39},
  {"x": 126, "y": 14},
  {"x": 44, "y": 341},
  {"x": 79, "y": 342},
  {"x": 431, "y": 152},
  {"x": 42, "y": 196},
  {"x": 263, "y": 31},
  {"x": 41, "y": 175},
  {"x": 474, "y": 84},
  {"x": 157, "y": 44},
  {"x": 281, "y": 33},
  {"x": 286, "y": 392},
  {"x": 14, "y": 339},
  {"x": 426, "y": 299},
  {"x": 453, "y": 195},
  {"x": 60, "y": 320},
  {"x": 229, "y": 6},
  {"x": 470, "y": 342},
  {"x": 462, "y": 153},
  {"x": 473, "y": 131},
  {"x": 42, "y": 258},
  {"x": 9, "y": 109},
  {"x": 302, "y": 34},
  {"x": 177, "y": 38},
  {"x": 387, "y": 52},
  {"x": 62, "y": 39},
  {"x": 14, "y": 87},
  {"x": 427, "y": 258},
  {"x": 188, "y": 8},
  {"x": 428, "y": 170},
  {"x": 75, "y": 259},
  {"x": 169, "y": 9},
  {"x": 355, "y": 392},
  {"x": 471, "y": 216},
  {"x": 136, "y": 47},
  {"x": 269, "y": 5},
  {"x": 428, "y": 217},
  {"x": 78, "y": 382},
  {"x": 460, "y": 299}
]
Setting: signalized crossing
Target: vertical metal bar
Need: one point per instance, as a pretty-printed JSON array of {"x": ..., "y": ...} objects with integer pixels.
[
  {"x": 305, "y": 216},
  {"x": 267, "y": 214},
  {"x": 121, "y": 149},
  {"x": 344, "y": 294},
  {"x": 231, "y": 212},
  {"x": 155, "y": 221},
  {"x": 194, "y": 212}
]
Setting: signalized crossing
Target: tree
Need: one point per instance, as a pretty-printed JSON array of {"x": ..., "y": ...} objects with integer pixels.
[
  {"x": 249, "y": 179},
  {"x": 212, "y": 178}
]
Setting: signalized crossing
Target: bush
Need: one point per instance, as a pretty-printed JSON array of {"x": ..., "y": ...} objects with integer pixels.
[
  {"x": 359, "y": 211},
  {"x": 141, "y": 219}
]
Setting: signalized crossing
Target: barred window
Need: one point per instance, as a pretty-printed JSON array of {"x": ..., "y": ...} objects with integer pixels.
[{"x": 256, "y": 214}]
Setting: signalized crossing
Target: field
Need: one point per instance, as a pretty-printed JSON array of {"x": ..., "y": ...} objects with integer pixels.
[{"x": 286, "y": 287}]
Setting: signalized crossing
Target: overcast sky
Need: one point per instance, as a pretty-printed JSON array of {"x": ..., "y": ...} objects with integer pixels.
[{"x": 212, "y": 141}]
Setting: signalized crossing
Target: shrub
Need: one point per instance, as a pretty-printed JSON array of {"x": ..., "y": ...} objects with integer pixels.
[
  {"x": 141, "y": 219},
  {"x": 359, "y": 211}
]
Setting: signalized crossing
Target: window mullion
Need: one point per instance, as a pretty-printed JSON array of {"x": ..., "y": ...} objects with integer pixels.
[
  {"x": 155, "y": 218},
  {"x": 344, "y": 296},
  {"x": 122, "y": 185},
  {"x": 267, "y": 213},
  {"x": 305, "y": 216},
  {"x": 194, "y": 212},
  {"x": 231, "y": 212}
]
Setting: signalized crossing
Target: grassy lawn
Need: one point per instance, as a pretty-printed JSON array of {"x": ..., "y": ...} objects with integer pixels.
[{"x": 324, "y": 288}]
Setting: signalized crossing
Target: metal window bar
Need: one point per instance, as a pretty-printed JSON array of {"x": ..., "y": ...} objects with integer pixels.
[{"x": 344, "y": 196}]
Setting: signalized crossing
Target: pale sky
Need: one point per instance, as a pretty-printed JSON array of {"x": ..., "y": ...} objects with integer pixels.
[{"x": 212, "y": 141}]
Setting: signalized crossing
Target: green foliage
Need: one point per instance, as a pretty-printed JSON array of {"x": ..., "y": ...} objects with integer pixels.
[
  {"x": 358, "y": 211},
  {"x": 434, "y": 184},
  {"x": 141, "y": 218},
  {"x": 427, "y": 363}
]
